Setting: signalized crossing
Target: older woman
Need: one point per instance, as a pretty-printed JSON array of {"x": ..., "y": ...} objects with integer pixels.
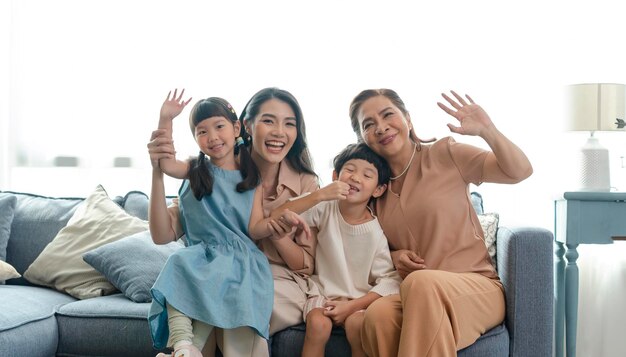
[{"x": 451, "y": 293}]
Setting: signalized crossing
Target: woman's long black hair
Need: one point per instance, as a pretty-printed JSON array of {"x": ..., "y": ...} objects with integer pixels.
[
  {"x": 298, "y": 156},
  {"x": 200, "y": 176}
]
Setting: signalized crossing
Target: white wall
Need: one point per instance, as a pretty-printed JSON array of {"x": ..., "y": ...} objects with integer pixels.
[
  {"x": 89, "y": 78},
  {"x": 5, "y": 47}
]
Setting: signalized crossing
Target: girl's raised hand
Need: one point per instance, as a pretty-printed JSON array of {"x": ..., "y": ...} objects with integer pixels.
[
  {"x": 473, "y": 120},
  {"x": 173, "y": 105}
]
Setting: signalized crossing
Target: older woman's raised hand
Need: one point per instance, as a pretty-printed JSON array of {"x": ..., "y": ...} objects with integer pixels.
[
  {"x": 161, "y": 146},
  {"x": 473, "y": 120}
]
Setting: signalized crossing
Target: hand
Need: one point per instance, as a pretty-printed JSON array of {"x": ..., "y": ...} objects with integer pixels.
[
  {"x": 173, "y": 105},
  {"x": 336, "y": 190},
  {"x": 338, "y": 311},
  {"x": 161, "y": 146},
  {"x": 472, "y": 118},
  {"x": 407, "y": 261},
  {"x": 286, "y": 223}
]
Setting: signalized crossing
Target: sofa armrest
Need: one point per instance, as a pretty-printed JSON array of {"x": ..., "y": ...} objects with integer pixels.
[{"x": 525, "y": 266}]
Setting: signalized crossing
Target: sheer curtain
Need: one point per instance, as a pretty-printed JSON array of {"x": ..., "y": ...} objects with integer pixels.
[{"x": 602, "y": 299}]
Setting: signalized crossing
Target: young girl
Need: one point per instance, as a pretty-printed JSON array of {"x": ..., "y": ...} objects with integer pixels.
[{"x": 221, "y": 279}]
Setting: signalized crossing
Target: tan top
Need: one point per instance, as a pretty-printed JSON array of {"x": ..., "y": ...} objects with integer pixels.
[
  {"x": 433, "y": 215},
  {"x": 290, "y": 184}
]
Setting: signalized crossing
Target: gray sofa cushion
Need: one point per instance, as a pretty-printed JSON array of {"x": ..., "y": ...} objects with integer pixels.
[
  {"x": 104, "y": 326},
  {"x": 289, "y": 342},
  {"x": 132, "y": 264},
  {"x": 493, "y": 343},
  {"x": 7, "y": 206},
  {"x": 36, "y": 222},
  {"x": 27, "y": 323}
]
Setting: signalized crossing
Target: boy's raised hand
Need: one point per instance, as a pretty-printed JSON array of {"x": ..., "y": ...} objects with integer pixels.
[
  {"x": 336, "y": 190},
  {"x": 172, "y": 106}
]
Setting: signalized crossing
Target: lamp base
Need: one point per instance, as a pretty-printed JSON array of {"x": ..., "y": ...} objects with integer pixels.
[{"x": 594, "y": 171}]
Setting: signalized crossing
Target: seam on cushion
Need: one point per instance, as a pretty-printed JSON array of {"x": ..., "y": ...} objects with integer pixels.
[
  {"x": 40, "y": 196},
  {"x": 100, "y": 316},
  {"x": 27, "y": 322}
]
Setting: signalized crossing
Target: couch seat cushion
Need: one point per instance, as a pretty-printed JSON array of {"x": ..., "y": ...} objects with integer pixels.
[
  {"x": 28, "y": 326},
  {"x": 21, "y": 305},
  {"x": 119, "y": 326}
]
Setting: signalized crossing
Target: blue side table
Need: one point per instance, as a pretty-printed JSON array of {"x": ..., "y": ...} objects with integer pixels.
[{"x": 580, "y": 218}]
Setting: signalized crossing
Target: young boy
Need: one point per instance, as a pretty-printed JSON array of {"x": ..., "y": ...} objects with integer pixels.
[{"x": 353, "y": 265}]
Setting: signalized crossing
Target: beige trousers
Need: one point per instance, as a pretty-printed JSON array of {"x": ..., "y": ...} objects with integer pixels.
[
  {"x": 290, "y": 295},
  {"x": 237, "y": 342},
  {"x": 436, "y": 314}
]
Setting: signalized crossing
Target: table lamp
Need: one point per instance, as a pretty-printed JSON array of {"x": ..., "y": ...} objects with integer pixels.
[{"x": 595, "y": 107}]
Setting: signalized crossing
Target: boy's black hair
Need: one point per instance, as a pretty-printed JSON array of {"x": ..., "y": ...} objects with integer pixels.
[{"x": 363, "y": 152}]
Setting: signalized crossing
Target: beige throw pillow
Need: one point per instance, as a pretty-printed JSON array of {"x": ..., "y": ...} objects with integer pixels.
[
  {"x": 97, "y": 221},
  {"x": 7, "y": 271},
  {"x": 489, "y": 223}
]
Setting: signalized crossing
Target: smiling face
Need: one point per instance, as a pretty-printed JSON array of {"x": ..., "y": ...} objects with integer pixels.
[
  {"x": 273, "y": 131},
  {"x": 216, "y": 138},
  {"x": 362, "y": 176},
  {"x": 384, "y": 127}
]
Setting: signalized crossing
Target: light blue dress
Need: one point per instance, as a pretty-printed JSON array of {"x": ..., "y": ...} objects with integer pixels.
[{"x": 221, "y": 278}]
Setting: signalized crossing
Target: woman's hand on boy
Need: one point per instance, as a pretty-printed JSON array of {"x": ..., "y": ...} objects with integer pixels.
[
  {"x": 286, "y": 223},
  {"x": 407, "y": 261}
]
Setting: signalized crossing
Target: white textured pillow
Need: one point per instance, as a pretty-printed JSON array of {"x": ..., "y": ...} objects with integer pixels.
[
  {"x": 97, "y": 221},
  {"x": 489, "y": 222},
  {"x": 7, "y": 271}
]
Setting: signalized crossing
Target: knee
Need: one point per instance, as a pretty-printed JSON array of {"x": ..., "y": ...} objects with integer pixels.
[
  {"x": 420, "y": 282},
  {"x": 318, "y": 326},
  {"x": 353, "y": 325},
  {"x": 379, "y": 312}
]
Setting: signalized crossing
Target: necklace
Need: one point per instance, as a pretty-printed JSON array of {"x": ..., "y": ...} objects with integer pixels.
[{"x": 407, "y": 166}]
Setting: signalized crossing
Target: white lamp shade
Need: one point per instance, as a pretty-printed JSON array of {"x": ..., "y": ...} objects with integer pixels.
[{"x": 595, "y": 107}]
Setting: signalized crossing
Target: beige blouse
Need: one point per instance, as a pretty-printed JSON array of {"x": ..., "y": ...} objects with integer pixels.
[
  {"x": 290, "y": 184},
  {"x": 433, "y": 215}
]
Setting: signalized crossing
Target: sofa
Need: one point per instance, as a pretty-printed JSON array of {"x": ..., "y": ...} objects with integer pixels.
[{"x": 105, "y": 313}]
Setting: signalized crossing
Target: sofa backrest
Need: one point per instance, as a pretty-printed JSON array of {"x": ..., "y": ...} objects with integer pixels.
[{"x": 37, "y": 220}]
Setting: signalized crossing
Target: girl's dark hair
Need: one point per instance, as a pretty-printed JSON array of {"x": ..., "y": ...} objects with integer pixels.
[
  {"x": 363, "y": 152},
  {"x": 298, "y": 156},
  {"x": 200, "y": 177},
  {"x": 395, "y": 99}
]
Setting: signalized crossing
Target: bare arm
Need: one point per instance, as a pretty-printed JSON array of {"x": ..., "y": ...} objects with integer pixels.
[
  {"x": 507, "y": 163},
  {"x": 158, "y": 217},
  {"x": 162, "y": 152},
  {"x": 170, "y": 109},
  {"x": 295, "y": 255},
  {"x": 336, "y": 190}
]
